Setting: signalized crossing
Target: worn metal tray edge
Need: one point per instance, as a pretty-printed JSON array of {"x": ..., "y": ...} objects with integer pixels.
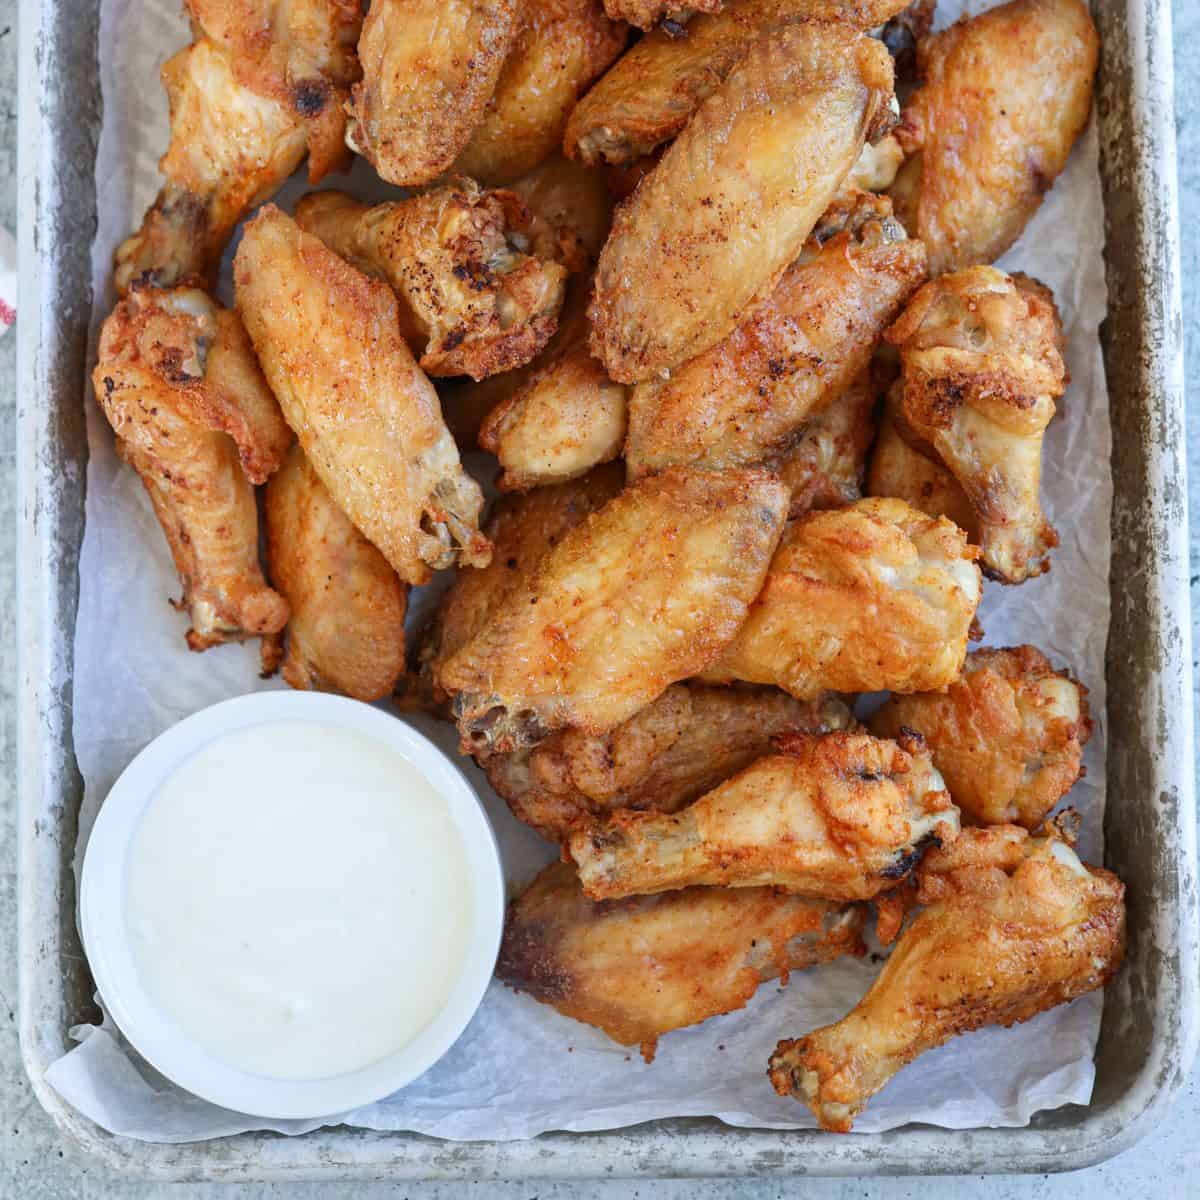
[{"x": 1149, "y": 1033}]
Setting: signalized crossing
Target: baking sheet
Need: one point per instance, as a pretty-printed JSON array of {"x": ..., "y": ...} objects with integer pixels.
[{"x": 518, "y": 1070}]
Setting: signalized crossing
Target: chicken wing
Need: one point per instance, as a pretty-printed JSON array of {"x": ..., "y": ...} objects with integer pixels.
[
  {"x": 981, "y": 372},
  {"x": 841, "y": 816},
  {"x": 677, "y": 748},
  {"x": 1005, "y": 96},
  {"x": 177, "y": 380},
  {"x": 791, "y": 356},
  {"x": 730, "y": 205},
  {"x": 868, "y": 598},
  {"x": 571, "y": 199},
  {"x": 429, "y": 69},
  {"x": 645, "y": 592},
  {"x": 476, "y": 276},
  {"x": 672, "y": 15},
  {"x": 346, "y": 632},
  {"x": 651, "y": 92},
  {"x": 1008, "y": 736},
  {"x": 369, "y": 421},
  {"x": 639, "y": 968},
  {"x": 897, "y": 470},
  {"x": 563, "y": 46},
  {"x": 1010, "y": 942}
]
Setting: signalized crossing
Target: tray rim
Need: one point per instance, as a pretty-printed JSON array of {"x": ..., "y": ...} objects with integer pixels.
[{"x": 56, "y": 193}]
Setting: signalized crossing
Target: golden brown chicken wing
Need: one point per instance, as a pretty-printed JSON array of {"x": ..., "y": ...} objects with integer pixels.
[
  {"x": 981, "y": 372},
  {"x": 1010, "y": 941},
  {"x": 346, "y": 631},
  {"x": 651, "y": 92},
  {"x": 563, "y": 46},
  {"x": 1006, "y": 95},
  {"x": 645, "y": 592},
  {"x": 641, "y": 967},
  {"x": 475, "y": 274},
  {"x": 1008, "y": 736},
  {"x": 842, "y": 816},
  {"x": 368, "y": 420},
  {"x": 673, "y": 15},
  {"x": 429, "y": 69},
  {"x": 570, "y": 199},
  {"x": 178, "y": 382},
  {"x": 730, "y": 205},
  {"x": 868, "y": 598},
  {"x": 791, "y": 356},
  {"x": 677, "y": 748}
]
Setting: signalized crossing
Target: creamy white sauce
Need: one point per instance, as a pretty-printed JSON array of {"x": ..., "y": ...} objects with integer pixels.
[{"x": 298, "y": 900}]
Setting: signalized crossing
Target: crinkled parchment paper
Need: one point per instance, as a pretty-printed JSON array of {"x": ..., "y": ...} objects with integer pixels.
[{"x": 520, "y": 1068}]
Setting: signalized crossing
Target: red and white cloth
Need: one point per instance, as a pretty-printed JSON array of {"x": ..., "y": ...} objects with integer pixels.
[{"x": 8, "y": 280}]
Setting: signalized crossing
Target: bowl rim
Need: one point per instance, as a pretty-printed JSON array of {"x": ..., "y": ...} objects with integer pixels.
[{"x": 151, "y": 1031}]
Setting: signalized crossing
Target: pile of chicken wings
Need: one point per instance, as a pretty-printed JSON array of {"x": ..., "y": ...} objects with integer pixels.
[{"x": 721, "y": 308}]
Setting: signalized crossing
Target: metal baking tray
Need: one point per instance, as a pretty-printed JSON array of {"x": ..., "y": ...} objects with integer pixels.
[{"x": 1149, "y": 1031}]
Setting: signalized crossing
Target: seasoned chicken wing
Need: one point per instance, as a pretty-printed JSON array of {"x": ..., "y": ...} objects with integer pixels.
[
  {"x": 1005, "y": 96},
  {"x": 570, "y": 199},
  {"x": 429, "y": 69},
  {"x": 1008, "y": 736},
  {"x": 981, "y": 372},
  {"x": 563, "y": 46},
  {"x": 677, "y": 748},
  {"x": 651, "y": 92},
  {"x": 178, "y": 382},
  {"x": 1008, "y": 942},
  {"x": 639, "y": 968},
  {"x": 645, "y": 592},
  {"x": 476, "y": 276},
  {"x": 671, "y": 14},
  {"x": 368, "y": 420},
  {"x": 790, "y": 356},
  {"x": 842, "y": 816},
  {"x": 868, "y": 598},
  {"x": 730, "y": 205},
  {"x": 346, "y": 632}
]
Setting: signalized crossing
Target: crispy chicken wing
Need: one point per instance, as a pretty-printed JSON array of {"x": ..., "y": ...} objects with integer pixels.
[
  {"x": 673, "y": 15},
  {"x": 645, "y": 592},
  {"x": 641, "y": 967},
  {"x": 1010, "y": 941},
  {"x": 730, "y": 205},
  {"x": 1008, "y": 736},
  {"x": 1006, "y": 94},
  {"x": 650, "y": 94},
  {"x": 571, "y": 199},
  {"x": 369, "y": 421},
  {"x": 429, "y": 69},
  {"x": 842, "y": 816},
  {"x": 563, "y": 46},
  {"x": 677, "y": 748},
  {"x": 861, "y": 599},
  {"x": 475, "y": 274},
  {"x": 178, "y": 382},
  {"x": 981, "y": 372},
  {"x": 346, "y": 632},
  {"x": 792, "y": 355}
]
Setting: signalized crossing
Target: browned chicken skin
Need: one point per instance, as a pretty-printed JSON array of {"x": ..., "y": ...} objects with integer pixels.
[
  {"x": 639, "y": 968},
  {"x": 642, "y": 594},
  {"x": 671, "y": 14},
  {"x": 871, "y": 597},
  {"x": 840, "y": 816},
  {"x": 429, "y": 69},
  {"x": 1008, "y": 736},
  {"x": 730, "y": 205},
  {"x": 791, "y": 355},
  {"x": 178, "y": 382},
  {"x": 998, "y": 943},
  {"x": 1006, "y": 95},
  {"x": 346, "y": 631},
  {"x": 368, "y": 420},
  {"x": 674, "y": 750},
  {"x": 475, "y": 274},
  {"x": 981, "y": 371}
]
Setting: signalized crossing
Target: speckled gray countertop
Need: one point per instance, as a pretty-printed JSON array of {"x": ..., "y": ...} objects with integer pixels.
[{"x": 36, "y": 1164}]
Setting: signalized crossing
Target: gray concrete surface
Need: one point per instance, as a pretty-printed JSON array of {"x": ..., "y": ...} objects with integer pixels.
[{"x": 36, "y": 1165}]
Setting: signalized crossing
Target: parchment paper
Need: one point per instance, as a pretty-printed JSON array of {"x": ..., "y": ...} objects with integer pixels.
[{"x": 520, "y": 1068}]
